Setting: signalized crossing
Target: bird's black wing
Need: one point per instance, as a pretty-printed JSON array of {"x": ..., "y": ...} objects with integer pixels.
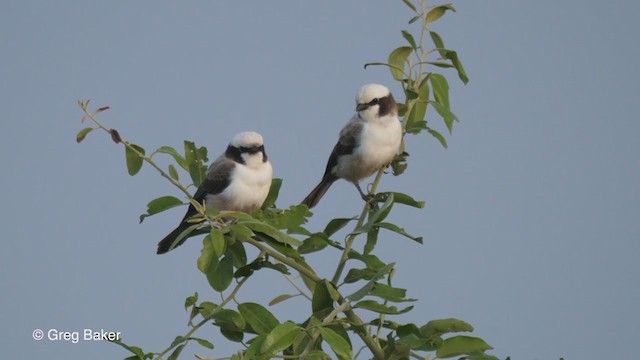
[
  {"x": 347, "y": 142},
  {"x": 217, "y": 179}
]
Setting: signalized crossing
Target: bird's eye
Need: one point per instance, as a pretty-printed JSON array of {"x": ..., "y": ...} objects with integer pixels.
[{"x": 374, "y": 101}]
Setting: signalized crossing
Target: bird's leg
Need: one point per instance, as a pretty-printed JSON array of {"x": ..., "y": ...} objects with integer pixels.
[{"x": 365, "y": 197}]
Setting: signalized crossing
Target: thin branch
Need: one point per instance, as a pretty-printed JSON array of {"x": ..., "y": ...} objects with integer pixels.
[{"x": 208, "y": 318}]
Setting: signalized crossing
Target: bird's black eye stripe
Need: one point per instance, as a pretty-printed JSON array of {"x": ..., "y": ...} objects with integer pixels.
[
  {"x": 252, "y": 149},
  {"x": 374, "y": 101}
]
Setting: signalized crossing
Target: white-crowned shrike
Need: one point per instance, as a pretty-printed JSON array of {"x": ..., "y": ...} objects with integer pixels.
[
  {"x": 237, "y": 180},
  {"x": 369, "y": 141}
]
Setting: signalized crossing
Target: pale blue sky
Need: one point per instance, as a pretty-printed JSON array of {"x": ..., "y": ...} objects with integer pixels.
[{"x": 532, "y": 226}]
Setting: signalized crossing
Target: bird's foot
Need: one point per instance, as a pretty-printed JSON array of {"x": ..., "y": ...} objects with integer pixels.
[{"x": 366, "y": 197}]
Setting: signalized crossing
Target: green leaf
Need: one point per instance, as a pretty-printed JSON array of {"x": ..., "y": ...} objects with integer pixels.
[
  {"x": 366, "y": 289},
  {"x": 290, "y": 219},
  {"x": 203, "y": 342},
  {"x": 437, "y": 41},
  {"x": 190, "y": 301},
  {"x": 440, "y": 64},
  {"x": 389, "y": 293},
  {"x": 372, "y": 240},
  {"x": 395, "y": 228},
  {"x": 416, "y": 115},
  {"x": 318, "y": 355},
  {"x": 402, "y": 109},
  {"x": 176, "y": 156},
  {"x": 281, "y": 337},
  {"x": 134, "y": 161},
  {"x": 253, "y": 351},
  {"x": 336, "y": 224},
  {"x": 410, "y": 5},
  {"x": 338, "y": 344},
  {"x": 258, "y": 264},
  {"x": 321, "y": 297},
  {"x": 455, "y": 60},
  {"x": 460, "y": 345},
  {"x": 437, "y": 12},
  {"x": 483, "y": 356},
  {"x": 220, "y": 276},
  {"x": 404, "y": 199},
  {"x": 231, "y": 318},
  {"x": 238, "y": 253},
  {"x": 176, "y": 353},
  {"x": 178, "y": 340},
  {"x": 410, "y": 335},
  {"x": 410, "y": 94},
  {"x": 134, "y": 349},
  {"x": 194, "y": 161},
  {"x": 358, "y": 274},
  {"x": 315, "y": 242},
  {"x": 440, "y": 88},
  {"x": 173, "y": 172},
  {"x": 438, "y": 136},
  {"x": 284, "y": 249},
  {"x": 401, "y": 70},
  {"x": 397, "y": 59},
  {"x": 374, "y": 306},
  {"x": 83, "y": 133},
  {"x": 414, "y": 129},
  {"x": 217, "y": 239},
  {"x": 280, "y": 298},
  {"x": 202, "y": 154},
  {"x": 423, "y": 89},
  {"x": 160, "y": 204},
  {"x": 409, "y": 39},
  {"x": 446, "y": 114},
  {"x": 443, "y": 326},
  {"x": 274, "y": 190},
  {"x": 418, "y": 107},
  {"x": 259, "y": 318},
  {"x": 207, "y": 257},
  {"x": 241, "y": 232},
  {"x": 196, "y": 173},
  {"x": 372, "y": 261},
  {"x": 190, "y": 153},
  {"x": 206, "y": 308},
  {"x": 234, "y": 335},
  {"x": 413, "y": 19}
]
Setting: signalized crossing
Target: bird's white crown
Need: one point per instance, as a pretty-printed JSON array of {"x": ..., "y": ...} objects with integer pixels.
[
  {"x": 247, "y": 139},
  {"x": 371, "y": 91}
]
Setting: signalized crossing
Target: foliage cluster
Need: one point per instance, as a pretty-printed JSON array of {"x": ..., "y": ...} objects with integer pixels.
[{"x": 282, "y": 241}]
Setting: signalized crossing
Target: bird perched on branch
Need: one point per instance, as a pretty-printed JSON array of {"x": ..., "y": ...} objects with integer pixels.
[
  {"x": 369, "y": 141},
  {"x": 237, "y": 180}
]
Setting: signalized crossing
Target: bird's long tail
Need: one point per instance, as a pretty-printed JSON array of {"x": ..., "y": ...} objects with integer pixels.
[
  {"x": 316, "y": 194},
  {"x": 165, "y": 244}
]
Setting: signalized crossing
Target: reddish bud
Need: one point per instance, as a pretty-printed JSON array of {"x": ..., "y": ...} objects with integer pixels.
[{"x": 115, "y": 136}]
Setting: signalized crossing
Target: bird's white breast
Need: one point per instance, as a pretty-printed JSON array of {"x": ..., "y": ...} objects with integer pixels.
[
  {"x": 247, "y": 190},
  {"x": 379, "y": 142}
]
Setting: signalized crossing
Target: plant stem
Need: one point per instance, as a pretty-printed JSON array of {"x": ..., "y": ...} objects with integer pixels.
[
  {"x": 283, "y": 259},
  {"x": 147, "y": 159},
  {"x": 208, "y": 318},
  {"x": 352, "y": 236}
]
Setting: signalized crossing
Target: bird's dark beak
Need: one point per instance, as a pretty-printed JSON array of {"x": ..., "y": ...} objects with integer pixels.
[{"x": 361, "y": 107}]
